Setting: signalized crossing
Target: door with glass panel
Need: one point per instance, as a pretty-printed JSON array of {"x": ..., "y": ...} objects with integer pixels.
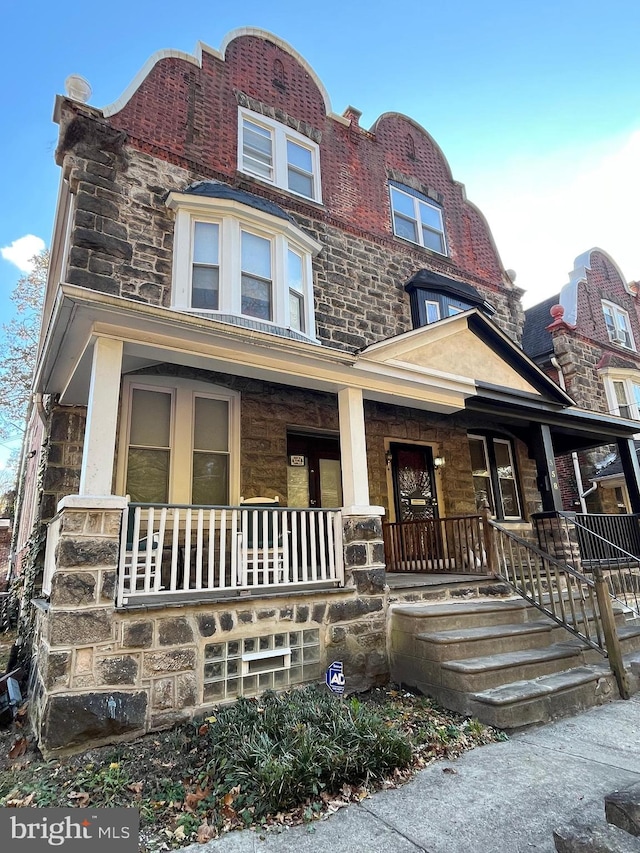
[{"x": 314, "y": 476}]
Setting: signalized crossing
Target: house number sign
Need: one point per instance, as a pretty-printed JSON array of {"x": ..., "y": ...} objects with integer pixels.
[{"x": 296, "y": 461}]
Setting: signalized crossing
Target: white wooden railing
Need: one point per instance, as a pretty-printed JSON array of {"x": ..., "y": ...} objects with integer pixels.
[{"x": 183, "y": 552}]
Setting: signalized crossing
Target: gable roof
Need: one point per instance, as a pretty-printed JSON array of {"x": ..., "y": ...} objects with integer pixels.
[{"x": 536, "y": 340}]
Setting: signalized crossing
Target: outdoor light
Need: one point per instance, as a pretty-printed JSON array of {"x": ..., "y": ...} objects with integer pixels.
[{"x": 438, "y": 462}]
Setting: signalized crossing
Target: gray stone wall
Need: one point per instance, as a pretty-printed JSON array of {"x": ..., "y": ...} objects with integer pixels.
[{"x": 104, "y": 673}]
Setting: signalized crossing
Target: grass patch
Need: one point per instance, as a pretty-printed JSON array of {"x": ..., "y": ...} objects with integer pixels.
[{"x": 281, "y": 759}]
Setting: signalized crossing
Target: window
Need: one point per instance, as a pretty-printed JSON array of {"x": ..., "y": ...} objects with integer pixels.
[
  {"x": 494, "y": 475},
  {"x": 278, "y": 155},
  {"x": 417, "y": 219},
  {"x": 180, "y": 442},
  {"x": 622, "y": 388},
  {"x": 234, "y": 260},
  {"x": 618, "y": 325}
]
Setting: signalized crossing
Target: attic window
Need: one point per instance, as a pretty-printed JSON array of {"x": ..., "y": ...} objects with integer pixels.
[
  {"x": 417, "y": 219},
  {"x": 435, "y": 297},
  {"x": 618, "y": 325}
]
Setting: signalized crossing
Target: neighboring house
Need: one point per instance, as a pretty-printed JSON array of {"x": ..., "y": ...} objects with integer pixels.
[
  {"x": 253, "y": 298},
  {"x": 586, "y": 338}
]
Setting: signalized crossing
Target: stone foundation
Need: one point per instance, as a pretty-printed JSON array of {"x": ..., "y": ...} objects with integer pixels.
[{"x": 105, "y": 674}]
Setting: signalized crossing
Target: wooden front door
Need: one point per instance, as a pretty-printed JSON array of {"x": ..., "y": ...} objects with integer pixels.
[
  {"x": 314, "y": 474},
  {"x": 414, "y": 490}
]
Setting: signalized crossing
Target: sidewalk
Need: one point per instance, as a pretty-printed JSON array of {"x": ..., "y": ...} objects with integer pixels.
[{"x": 502, "y": 798}]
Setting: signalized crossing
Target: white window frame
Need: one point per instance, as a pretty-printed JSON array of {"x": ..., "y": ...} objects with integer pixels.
[
  {"x": 280, "y": 135},
  {"x": 417, "y": 200},
  {"x": 621, "y": 323},
  {"x": 232, "y": 218},
  {"x": 629, "y": 379},
  {"x": 489, "y": 458},
  {"x": 181, "y": 433}
]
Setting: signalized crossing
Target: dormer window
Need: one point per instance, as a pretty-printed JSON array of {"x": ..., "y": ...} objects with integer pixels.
[
  {"x": 279, "y": 155},
  {"x": 418, "y": 219},
  {"x": 435, "y": 297},
  {"x": 618, "y": 325}
]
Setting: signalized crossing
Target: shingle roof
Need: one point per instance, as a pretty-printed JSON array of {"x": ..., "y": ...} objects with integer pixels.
[
  {"x": 536, "y": 340},
  {"x": 216, "y": 189},
  {"x": 613, "y": 468}
]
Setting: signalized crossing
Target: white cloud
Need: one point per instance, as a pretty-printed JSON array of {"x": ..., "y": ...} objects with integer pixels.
[
  {"x": 22, "y": 250},
  {"x": 546, "y": 211}
]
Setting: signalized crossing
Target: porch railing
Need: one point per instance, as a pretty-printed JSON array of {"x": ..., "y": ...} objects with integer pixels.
[
  {"x": 179, "y": 551},
  {"x": 580, "y": 604},
  {"x": 590, "y": 541},
  {"x": 452, "y": 544}
]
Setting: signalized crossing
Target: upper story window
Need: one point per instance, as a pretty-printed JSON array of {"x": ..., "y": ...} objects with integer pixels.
[
  {"x": 435, "y": 297},
  {"x": 237, "y": 260},
  {"x": 417, "y": 219},
  {"x": 622, "y": 388},
  {"x": 618, "y": 325},
  {"x": 278, "y": 155}
]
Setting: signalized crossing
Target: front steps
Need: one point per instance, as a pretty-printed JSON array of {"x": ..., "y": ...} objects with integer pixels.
[{"x": 501, "y": 661}]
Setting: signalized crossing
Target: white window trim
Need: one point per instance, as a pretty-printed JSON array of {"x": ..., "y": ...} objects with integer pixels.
[
  {"x": 183, "y": 393},
  {"x": 280, "y": 134},
  {"x": 513, "y": 477},
  {"x": 232, "y": 218},
  {"x": 628, "y": 378},
  {"x": 485, "y": 439},
  {"x": 418, "y": 220},
  {"x": 616, "y": 312}
]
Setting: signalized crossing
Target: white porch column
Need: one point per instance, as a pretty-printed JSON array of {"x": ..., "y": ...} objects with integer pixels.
[
  {"x": 99, "y": 450},
  {"x": 353, "y": 450}
]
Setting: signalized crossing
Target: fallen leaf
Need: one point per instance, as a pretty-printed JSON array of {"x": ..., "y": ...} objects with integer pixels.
[
  {"x": 19, "y": 748},
  {"x": 81, "y": 796},
  {"x": 192, "y": 799},
  {"x": 205, "y": 832},
  {"x": 136, "y": 787},
  {"x": 179, "y": 834},
  {"x": 204, "y": 728}
]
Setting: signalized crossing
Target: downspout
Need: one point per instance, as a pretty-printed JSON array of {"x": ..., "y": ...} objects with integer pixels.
[{"x": 582, "y": 494}]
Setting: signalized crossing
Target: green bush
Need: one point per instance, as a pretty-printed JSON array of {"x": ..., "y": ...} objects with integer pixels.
[{"x": 283, "y": 749}]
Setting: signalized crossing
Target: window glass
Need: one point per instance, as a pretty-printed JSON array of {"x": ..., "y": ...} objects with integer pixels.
[
  {"x": 506, "y": 478},
  {"x": 433, "y": 311},
  {"x": 148, "y": 457},
  {"x": 211, "y": 424},
  {"x": 150, "y": 418},
  {"x": 147, "y": 475},
  {"x": 417, "y": 220},
  {"x": 205, "y": 283},
  {"x": 430, "y": 216},
  {"x": 296, "y": 311},
  {"x": 294, "y": 270},
  {"x": 205, "y": 243},
  {"x": 210, "y": 479},
  {"x": 256, "y": 255},
  {"x": 402, "y": 203},
  {"x": 300, "y": 169},
  {"x": 480, "y": 472},
  {"x": 432, "y": 240},
  {"x": 257, "y": 153}
]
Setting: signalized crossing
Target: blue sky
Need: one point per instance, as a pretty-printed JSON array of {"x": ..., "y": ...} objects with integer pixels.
[{"x": 535, "y": 104}]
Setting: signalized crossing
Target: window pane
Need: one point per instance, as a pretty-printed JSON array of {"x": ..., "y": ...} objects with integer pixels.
[
  {"x": 210, "y": 479},
  {"x": 432, "y": 240},
  {"x": 510, "y": 506},
  {"x": 405, "y": 228},
  {"x": 150, "y": 418},
  {"x": 294, "y": 270},
  {"x": 256, "y": 298},
  {"x": 430, "y": 216},
  {"x": 256, "y": 255},
  {"x": 205, "y": 243},
  {"x": 299, "y": 156},
  {"x": 480, "y": 472},
  {"x": 452, "y": 310},
  {"x": 478, "y": 457},
  {"x": 257, "y": 155},
  {"x": 148, "y": 475},
  {"x": 503, "y": 459},
  {"x": 296, "y": 311},
  {"x": 433, "y": 312},
  {"x": 211, "y": 428},
  {"x": 402, "y": 203},
  {"x": 205, "y": 288},
  {"x": 300, "y": 183}
]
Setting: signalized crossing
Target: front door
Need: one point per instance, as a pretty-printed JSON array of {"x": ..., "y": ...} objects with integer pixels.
[
  {"x": 314, "y": 475},
  {"x": 414, "y": 489}
]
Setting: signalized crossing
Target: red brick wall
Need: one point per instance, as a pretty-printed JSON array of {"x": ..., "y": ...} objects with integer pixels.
[{"x": 189, "y": 116}]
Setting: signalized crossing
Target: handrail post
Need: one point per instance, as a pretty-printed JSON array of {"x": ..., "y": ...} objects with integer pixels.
[
  {"x": 488, "y": 536},
  {"x": 614, "y": 652}
]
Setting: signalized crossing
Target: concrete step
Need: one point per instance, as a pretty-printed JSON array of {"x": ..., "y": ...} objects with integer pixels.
[
  {"x": 463, "y": 643},
  {"x": 481, "y": 673},
  {"x": 462, "y": 614},
  {"x": 629, "y": 638},
  {"x": 537, "y": 700}
]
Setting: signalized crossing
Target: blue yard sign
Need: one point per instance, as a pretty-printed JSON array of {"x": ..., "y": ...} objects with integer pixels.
[{"x": 335, "y": 677}]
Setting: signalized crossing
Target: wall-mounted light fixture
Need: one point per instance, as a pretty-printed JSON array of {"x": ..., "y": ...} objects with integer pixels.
[
  {"x": 389, "y": 457},
  {"x": 439, "y": 462}
]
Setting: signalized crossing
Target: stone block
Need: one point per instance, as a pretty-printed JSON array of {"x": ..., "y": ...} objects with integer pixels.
[
  {"x": 137, "y": 635},
  {"x": 108, "y": 588},
  {"x": 73, "y": 722},
  {"x": 174, "y": 632},
  {"x": 162, "y": 694},
  {"x": 119, "y": 669},
  {"x": 226, "y": 621},
  {"x": 71, "y": 522},
  {"x": 362, "y": 529},
  {"x": 186, "y": 690},
  {"x": 594, "y": 839},
  {"x": 622, "y": 808},
  {"x": 83, "y": 662},
  {"x": 168, "y": 719},
  {"x": 57, "y": 666},
  {"x": 318, "y": 612},
  {"x": 355, "y": 555},
  {"x": 206, "y": 624},
  {"x": 73, "y": 588},
  {"x": 266, "y": 614},
  {"x": 345, "y": 611},
  {"x": 302, "y": 613},
  {"x": 369, "y": 581},
  {"x": 89, "y": 552},
  {"x": 79, "y": 628},
  {"x": 245, "y": 617},
  {"x": 176, "y": 660}
]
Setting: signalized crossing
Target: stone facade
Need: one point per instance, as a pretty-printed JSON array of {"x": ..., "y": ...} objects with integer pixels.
[{"x": 104, "y": 673}]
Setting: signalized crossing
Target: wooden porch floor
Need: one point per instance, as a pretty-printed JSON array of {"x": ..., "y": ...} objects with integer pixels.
[{"x": 407, "y": 580}]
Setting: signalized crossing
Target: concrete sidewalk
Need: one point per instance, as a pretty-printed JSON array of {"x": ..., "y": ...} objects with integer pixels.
[{"x": 502, "y": 798}]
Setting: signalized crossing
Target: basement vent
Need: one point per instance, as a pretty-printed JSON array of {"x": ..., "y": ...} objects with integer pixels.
[{"x": 252, "y": 665}]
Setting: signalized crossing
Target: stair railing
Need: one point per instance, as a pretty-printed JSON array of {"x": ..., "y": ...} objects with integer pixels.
[{"x": 582, "y": 605}]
